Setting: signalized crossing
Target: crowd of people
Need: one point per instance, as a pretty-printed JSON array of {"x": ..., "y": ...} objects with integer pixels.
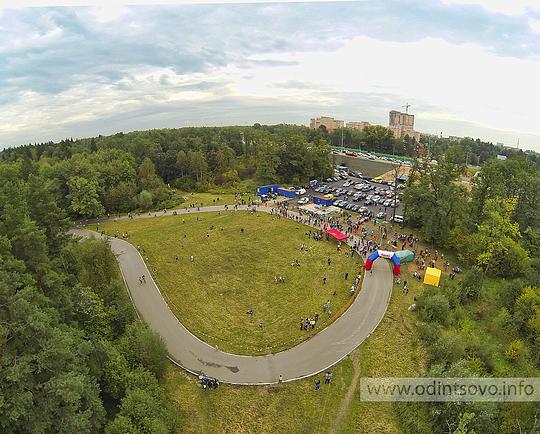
[{"x": 208, "y": 382}]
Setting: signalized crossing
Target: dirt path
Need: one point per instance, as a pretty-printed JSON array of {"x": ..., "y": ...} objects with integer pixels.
[{"x": 346, "y": 402}]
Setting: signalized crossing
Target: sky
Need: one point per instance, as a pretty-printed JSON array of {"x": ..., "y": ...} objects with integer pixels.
[{"x": 466, "y": 67}]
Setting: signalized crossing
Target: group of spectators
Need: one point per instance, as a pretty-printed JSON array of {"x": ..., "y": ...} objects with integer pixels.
[{"x": 208, "y": 382}]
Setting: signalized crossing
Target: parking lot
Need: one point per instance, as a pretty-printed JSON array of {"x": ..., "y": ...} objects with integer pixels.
[{"x": 355, "y": 194}]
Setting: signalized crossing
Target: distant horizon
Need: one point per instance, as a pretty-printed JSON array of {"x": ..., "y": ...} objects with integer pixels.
[
  {"x": 97, "y": 134},
  {"x": 468, "y": 68}
]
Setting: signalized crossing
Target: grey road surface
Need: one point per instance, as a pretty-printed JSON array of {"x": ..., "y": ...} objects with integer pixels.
[{"x": 315, "y": 355}]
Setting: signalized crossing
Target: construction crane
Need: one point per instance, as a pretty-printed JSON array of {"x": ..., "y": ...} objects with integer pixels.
[{"x": 406, "y": 107}]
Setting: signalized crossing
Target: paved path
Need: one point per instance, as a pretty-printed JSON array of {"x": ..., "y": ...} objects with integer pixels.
[{"x": 315, "y": 355}]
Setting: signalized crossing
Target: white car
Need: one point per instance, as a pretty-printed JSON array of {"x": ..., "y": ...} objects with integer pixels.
[
  {"x": 303, "y": 200},
  {"x": 301, "y": 191},
  {"x": 398, "y": 218}
]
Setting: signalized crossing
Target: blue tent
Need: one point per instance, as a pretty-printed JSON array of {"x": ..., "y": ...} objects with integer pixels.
[
  {"x": 286, "y": 192},
  {"x": 265, "y": 189}
]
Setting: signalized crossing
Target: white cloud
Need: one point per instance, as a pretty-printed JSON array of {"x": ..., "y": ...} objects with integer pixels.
[
  {"x": 534, "y": 25},
  {"x": 506, "y": 7},
  {"x": 465, "y": 82},
  {"x": 107, "y": 12}
]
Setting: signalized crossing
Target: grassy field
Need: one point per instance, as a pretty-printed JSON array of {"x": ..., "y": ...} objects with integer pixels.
[
  {"x": 392, "y": 350},
  {"x": 234, "y": 271},
  {"x": 211, "y": 198}
]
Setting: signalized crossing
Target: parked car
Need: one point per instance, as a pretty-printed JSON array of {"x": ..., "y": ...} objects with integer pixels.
[
  {"x": 303, "y": 200},
  {"x": 398, "y": 218},
  {"x": 381, "y": 215},
  {"x": 301, "y": 191}
]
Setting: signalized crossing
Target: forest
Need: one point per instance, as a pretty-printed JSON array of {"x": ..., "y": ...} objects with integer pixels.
[{"x": 486, "y": 322}]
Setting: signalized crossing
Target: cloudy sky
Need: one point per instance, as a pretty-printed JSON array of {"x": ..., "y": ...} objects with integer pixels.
[{"x": 467, "y": 67}]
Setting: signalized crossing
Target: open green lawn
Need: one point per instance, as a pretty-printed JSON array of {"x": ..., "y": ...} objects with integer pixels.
[
  {"x": 234, "y": 271},
  {"x": 392, "y": 350},
  {"x": 210, "y": 199}
]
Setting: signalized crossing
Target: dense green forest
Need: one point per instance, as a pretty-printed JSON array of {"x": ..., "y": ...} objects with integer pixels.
[
  {"x": 139, "y": 170},
  {"x": 485, "y": 323},
  {"x": 73, "y": 357}
]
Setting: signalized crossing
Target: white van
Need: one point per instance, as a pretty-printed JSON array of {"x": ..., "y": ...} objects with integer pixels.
[{"x": 398, "y": 218}]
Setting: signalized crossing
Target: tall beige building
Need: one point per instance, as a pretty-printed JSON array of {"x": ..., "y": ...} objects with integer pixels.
[
  {"x": 358, "y": 125},
  {"x": 402, "y": 124},
  {"x": 331, "y": 124}
]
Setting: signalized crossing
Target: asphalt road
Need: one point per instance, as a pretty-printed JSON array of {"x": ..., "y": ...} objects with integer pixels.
[
  {"x": 368, "y": 167},
  {"x": 315, "y": 355}
]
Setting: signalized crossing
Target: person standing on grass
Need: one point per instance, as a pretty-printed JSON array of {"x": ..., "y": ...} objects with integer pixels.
[
  {"x": 346, "y": 276},
  {"x": 324, "y": 280},
  {"x": 327, "y": 377},
  {"x": 317, "y": 384}
]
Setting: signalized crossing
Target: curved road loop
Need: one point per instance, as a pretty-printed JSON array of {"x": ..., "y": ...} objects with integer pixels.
[{"x": 311, "y": 357}]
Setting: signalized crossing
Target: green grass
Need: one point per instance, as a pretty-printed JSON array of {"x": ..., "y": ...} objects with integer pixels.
[
  {"x": 392, "y": 350},
  {"x": 210, "y": 199},
  {"x": 234, "y": 271}
]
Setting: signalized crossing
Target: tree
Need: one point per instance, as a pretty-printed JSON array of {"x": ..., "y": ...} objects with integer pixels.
[
  {"x": 145, "y": 200},
  {"x": 378, "y": 138},
  {"x": 182, "y": 163},
  {"x": 434, "y": 201},
  {"x": 120, "y": 197},
  {"x": 198, "y": 165},
  {"x": 141, "y": 346},
  {"x": 148, "y": 179},
  {"x": 267, "y": 162},
  {"x": 84, "y": 199},
  {"x": 496, "y": 241}
]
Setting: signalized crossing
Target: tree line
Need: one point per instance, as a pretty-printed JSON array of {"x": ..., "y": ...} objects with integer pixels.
[
  {"x": 484, "y": 323},
  {"x": 140, "y": 170},
  {"x": 74, "y": 358}
]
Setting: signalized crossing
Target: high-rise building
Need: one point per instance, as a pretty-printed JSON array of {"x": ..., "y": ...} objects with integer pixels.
[
  {"x": 330, "y": 124},
  {"x": 358, "y": 125},
  {"x": 402, "y": 124}
]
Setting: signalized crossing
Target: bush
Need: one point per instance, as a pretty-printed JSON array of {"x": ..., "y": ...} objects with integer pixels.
[
  {"x": 142, "y": 347},
  {"x": 471, "y": 285},
  {"x": 145, "y": 200},
  {"x": 184, "y": 184},
  {"x": 449, "y": 348},
  {"x": 433, "y": 307}
]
